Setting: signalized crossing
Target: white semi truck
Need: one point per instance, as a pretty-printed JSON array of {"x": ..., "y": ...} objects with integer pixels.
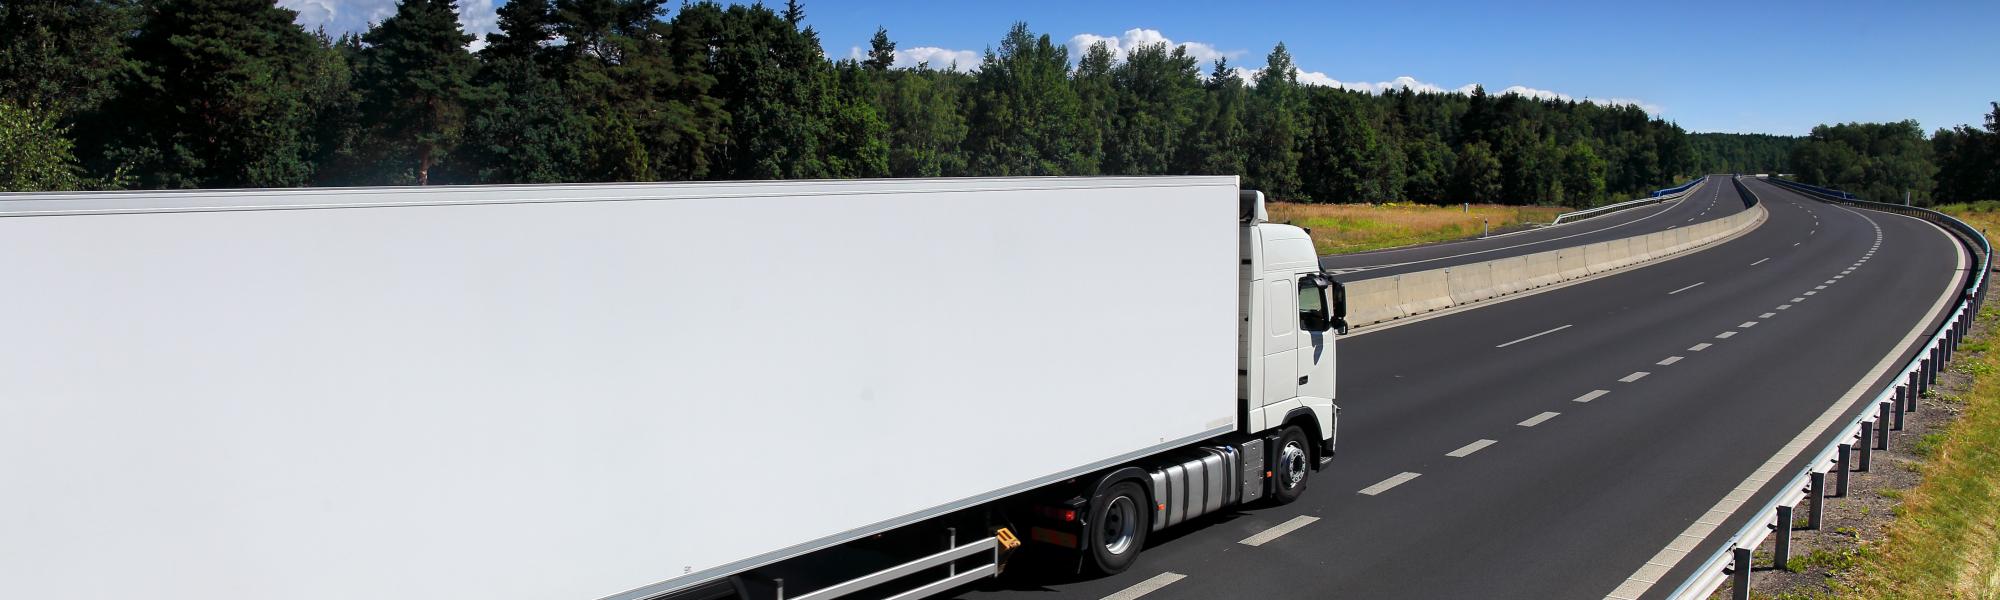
[{"x": 796, "y": 389}]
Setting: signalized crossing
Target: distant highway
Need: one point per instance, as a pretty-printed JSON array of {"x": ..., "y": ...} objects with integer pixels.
[
  {"x": 1715, "y": 199},
  {"x": 1551, "y": 445}
]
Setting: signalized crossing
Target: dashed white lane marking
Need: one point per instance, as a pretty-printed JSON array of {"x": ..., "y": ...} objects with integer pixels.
[
  {"x": 1398, "y": 479},
  {"x": 1811, "y": 293},
  {"x": 1668, "y": 360},
  {"x": 1798, "y": 299},
  {"x": 1725, "y": 335},
  {"x": 1760, "y": 261},
  {"x": 1635, "y": 376},
  {"x": 1699, "y": 347},
  {"x": 1267, "y": 535},
  {"x": 1747, "y": 325},
  {"x": 1784, "y": 307},
  {"x": 1831, "y": 282},
  {"x": 1696, "y": 284},
  {"x": 1535, "y": 336},
  {"x": 1593, "y": 395},
  {"x": 1146, "y": 587},
  {"x": 1819, "y": 287},
  {"x": 1538, "y": 419},
  {"x": 1468, "y": 449},
  {"x": 1767, "y": 315},
  {"x": 1795, "y": 243}
]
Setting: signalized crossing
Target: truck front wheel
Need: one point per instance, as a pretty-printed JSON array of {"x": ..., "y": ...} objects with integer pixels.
[
  {"x": 1118, "y": 528},
  {"x": 1293, "y": 468}
]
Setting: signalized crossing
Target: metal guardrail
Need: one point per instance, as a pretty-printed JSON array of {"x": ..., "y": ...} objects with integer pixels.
[
  {"x": 1682, "y": 188},
  {"x": 1867, "y": 430},
  {"x": 1657, "y": 196}
]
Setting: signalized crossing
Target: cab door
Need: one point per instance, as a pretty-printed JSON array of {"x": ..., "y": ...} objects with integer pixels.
[
  {"x": 1281, "y": 341},
  {"x": 1314, "y": 319}
]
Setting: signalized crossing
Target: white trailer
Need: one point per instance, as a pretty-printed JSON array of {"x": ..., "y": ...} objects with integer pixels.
[{"x": 682, "y": 390}]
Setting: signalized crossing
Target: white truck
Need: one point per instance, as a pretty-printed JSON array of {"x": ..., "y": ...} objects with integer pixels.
[{"x": 796, "y": 389}]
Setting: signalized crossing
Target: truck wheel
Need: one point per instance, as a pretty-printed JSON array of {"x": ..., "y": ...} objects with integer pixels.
[
  {"x": 1293, "y": 468},
  {"x": 1118, "y": 527}
]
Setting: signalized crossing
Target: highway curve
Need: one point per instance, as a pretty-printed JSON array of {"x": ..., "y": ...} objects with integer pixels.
[
  {"x": 1551, "y": 445},
  {"x": 1705, "y": 204}
]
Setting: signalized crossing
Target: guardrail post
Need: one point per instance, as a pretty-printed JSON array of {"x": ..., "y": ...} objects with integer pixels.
[
  {"x": 1817, "y": 492},
  {"x": 1741, "y": 589},
  {"x": 1923, "y": 376},
  {"x": 1840, "y": 464},
  {"x": 1899, "y": 412},
  {"x": 1916, "y": 389},
  {"x": 1782, "y": 558},
  {"x": 1867, "y": 447},
  {"x": 1882, "y": 422}
]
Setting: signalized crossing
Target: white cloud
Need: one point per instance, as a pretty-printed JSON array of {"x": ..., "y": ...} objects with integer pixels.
[
  {"x": 1135, "y": 38},
  {"x": 939, "y": 58},
  {"x": 1411, "y": 83},
  {"x": 355, "y": 16}
]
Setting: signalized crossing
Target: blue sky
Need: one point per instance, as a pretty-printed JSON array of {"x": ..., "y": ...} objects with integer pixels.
[{"x": 1744, "y": 66}]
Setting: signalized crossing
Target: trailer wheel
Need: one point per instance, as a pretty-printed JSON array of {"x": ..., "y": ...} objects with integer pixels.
[
  {"x": 1118, "y": 527},
  {"x": 1293, "y": 467}
]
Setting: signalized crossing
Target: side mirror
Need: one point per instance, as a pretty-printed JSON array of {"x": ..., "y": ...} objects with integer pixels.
[
  {"x": 1339, "y": 303},
  {"x": 1317, "y": 311}
]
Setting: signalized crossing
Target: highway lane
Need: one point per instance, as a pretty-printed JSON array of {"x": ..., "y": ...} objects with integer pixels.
[
  {"x": 1710, "y": 202},
  {"x": 1559, "y": 465}
]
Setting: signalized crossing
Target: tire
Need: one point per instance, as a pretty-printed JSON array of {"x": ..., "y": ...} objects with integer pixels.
[
  {"x": 1293, "y": 467},
  {"x": 1117, "y": 529}
]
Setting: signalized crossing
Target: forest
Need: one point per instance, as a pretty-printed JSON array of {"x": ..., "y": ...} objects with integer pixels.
[{"x": 147, "y": 94}]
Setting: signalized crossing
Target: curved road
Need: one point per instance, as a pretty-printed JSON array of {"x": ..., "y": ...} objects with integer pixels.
[
  {"x": 1715, "y": 199},
  {"x": 1478, "y": 461}
]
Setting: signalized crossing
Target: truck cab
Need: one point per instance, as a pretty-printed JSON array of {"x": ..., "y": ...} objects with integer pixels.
[{"x": 1289, "y": 313}]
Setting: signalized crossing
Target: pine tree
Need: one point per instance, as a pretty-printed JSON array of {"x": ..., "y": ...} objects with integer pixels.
[
  {"x": 1216, "y": 144},
  {"x": 220, "y": 96},
  {"x": 1026, "y": 115},
  {"x": 1273, "y": 165},
  {"x": 417, "y": 80},
  {"x": 881, "y": 51}
]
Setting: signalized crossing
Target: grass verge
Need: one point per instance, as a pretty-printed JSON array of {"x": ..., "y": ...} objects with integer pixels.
[
  {"x": 1347, "y": 228},
  {"x": 1945, "y": 540}
]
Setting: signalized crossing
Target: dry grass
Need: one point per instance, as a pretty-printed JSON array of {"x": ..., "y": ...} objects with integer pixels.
[
  {"x": 1945, "y": 541},
  {"x": 1345, "y": 228}
]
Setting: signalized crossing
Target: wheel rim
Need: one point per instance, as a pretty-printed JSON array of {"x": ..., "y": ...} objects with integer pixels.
[
  {"x": 1295, "y": 464},
  {"x": 1121, "y": 524}
]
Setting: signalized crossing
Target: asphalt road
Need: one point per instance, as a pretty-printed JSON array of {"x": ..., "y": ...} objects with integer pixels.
[
  {"x": 1715, "y": 199},
  {"x": 1477, "y": 465}
]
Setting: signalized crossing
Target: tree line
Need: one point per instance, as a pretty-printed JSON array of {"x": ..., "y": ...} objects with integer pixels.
[
  {"x": 103, "y": 94},
  {"x": 1883, "y": 162}
]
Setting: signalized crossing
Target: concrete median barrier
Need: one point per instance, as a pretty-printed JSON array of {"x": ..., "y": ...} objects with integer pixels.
[
  {"x": 1424, "y": 291},
  {"x": 1471, "y": 283},
  {"x": 1371, "y": 301}
]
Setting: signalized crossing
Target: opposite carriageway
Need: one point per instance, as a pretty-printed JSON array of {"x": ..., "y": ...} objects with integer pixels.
[
  {"x": 1713, "y": 200},
  {"x": 1559, "y": 464}
]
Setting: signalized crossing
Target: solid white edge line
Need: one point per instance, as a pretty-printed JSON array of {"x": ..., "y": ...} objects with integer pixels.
[
  {"x": 1391, "y": 482},
  {"x": 1148, "y": 586},
  {"x": 1534, "y": 336},
  {"x": 1668, "y": 558},
  {"x": 1267, "y": 535},
  {"x": 1468, "y": 449},
  {"x": 1760, "y": 261}
]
